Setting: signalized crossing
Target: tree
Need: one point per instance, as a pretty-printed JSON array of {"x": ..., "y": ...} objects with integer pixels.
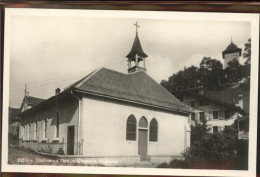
[
  {"x": 222, "y": 145},
  {"x": 247, "y": 53},
  {"x": 211, "y": 72},
  {"x": 234, "y": 71},
  {"x": 219, "y": 150},
  {"x": 199, "y": 136},
  {"x": 186, "y": 76},
  {"x": 166, "y": 85}
]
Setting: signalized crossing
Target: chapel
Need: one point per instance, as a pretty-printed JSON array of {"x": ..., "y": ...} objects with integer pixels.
[{"x": 109, "y": 115}]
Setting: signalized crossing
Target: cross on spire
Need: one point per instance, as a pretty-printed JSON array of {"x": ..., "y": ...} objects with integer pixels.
[
  {"x": 231, "y": 39},
  {"x": 137, "y": 26}
]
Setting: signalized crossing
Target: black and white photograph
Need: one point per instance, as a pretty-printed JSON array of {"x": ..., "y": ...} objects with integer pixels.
[{"x": 127, "y": 92}]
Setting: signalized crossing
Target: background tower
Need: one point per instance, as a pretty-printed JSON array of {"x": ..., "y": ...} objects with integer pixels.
[{"x": 232, "y": 52}]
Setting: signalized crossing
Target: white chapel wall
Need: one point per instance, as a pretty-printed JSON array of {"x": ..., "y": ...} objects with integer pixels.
[{"x": 104, "y": 129}]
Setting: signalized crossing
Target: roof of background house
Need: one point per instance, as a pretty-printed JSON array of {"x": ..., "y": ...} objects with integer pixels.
[
  {"x": 215, "y": 98},
  {"x": 229, "y": 95},
  {"x": 231, "y": 48},
  {"x": 33, "y": 100},
  {"x": 136, "y": 49},
  {"x": 136, "y": 88}
]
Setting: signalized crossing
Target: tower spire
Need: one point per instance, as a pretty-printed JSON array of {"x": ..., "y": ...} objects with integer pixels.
[{"x": 136, "y": 55}]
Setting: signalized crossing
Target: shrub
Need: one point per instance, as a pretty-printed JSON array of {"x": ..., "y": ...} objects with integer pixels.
[
  {"x": 61, "y": 151},
  {"x": 163, "y": 165},
  {"x": 178, "y": 164},
  {"x": 221, "y": 150}
]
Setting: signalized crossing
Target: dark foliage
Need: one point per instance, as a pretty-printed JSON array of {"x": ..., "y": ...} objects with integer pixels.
[
  {"x": 234, "y": 72},
  {"x": 186, "y": 76},
  {"x": 210, "y": 73},
  {"x": 247, "y": 52},
  {"x": 163, "y": 165},
  {"x": 221, "y": 150},
  {"x": 61, "y": 151}
]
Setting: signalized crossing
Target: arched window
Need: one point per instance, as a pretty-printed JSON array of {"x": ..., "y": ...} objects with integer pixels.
[
  {"x": 143, "y": 122},
  {"x": 153, "y": 130},
  {"x": 131, "y": 128}
]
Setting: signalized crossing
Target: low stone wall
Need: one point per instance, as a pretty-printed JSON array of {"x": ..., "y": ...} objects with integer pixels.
[
  {"x": 162, "y": 159},
  {"x": 29, "y": 144},
  {"x": 52, "y": 148}
]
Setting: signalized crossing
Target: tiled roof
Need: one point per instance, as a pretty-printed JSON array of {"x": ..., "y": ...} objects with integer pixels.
[
  {"x": 231, "y": 48},
  {"x": 230, "y": 96},
  {"x": 136, "y": 49},
  {"x": 214, "y": 98},
  {"x": 136, "y": 87},
  {"x": 33, "y": 100}
]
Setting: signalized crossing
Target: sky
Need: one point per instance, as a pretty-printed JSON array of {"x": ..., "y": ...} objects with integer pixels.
[{"x": 47, "y": 52}]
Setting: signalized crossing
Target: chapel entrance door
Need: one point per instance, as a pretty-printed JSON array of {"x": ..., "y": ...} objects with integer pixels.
[
  {"x": 143, "y": 138},
  {"x": 70, "y": 140},
  {"x": 142, "y": 144}
]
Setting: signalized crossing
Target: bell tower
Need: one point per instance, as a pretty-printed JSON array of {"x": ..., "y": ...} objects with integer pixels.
[
  {"x": 231, "y": 53},
  {"x": 136, "y": 55}
]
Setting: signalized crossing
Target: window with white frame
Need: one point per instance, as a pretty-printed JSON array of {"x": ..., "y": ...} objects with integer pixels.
[
  {"x": 193, "y": 115},
  {"x": 28, "y": 132},
  {"x": 215, "y": 129},
  {"x": 153, "y": 130},
  {"x": 35, "y": 131},
  {"x": 21, "y": 132},
  {"x": 131, "y": 128},
  {"x": 215, "y": 114},
  {"x": 44, "y": 128},
  {"x": 202, "y": 116},
  {"x": 227, "y": 114}
]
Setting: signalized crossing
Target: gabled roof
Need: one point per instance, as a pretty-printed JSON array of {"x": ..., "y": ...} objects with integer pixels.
[
  {"x": 33, "y": 100},
  {"x": 136, "y": 49},
  {"x": 229, "y": 95},
  {"x": 215, "y": 97},
  {"x": 231, "y": 48},
  {"x": 136, "y": 88}
]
